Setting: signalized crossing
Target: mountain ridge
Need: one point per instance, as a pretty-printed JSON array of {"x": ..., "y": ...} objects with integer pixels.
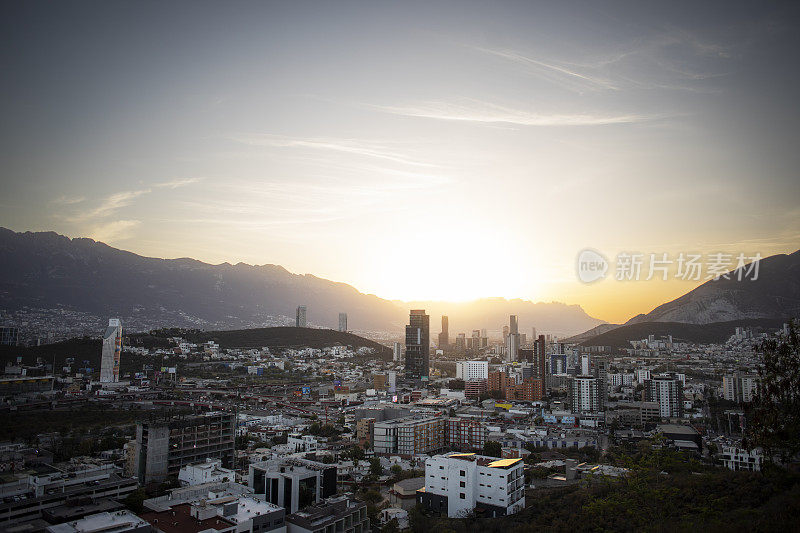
[{"x": 46, "y": 270}]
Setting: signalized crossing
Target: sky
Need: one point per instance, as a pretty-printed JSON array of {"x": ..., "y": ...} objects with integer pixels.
[{"x": 415, "y": 150}]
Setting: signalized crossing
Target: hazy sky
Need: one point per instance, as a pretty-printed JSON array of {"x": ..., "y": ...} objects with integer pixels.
[{"x": 432, "y": 150}]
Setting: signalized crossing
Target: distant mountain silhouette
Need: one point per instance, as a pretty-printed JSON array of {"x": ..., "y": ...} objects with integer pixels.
[
  {"x": 775, "y": 294},
  {"x": 50, "y": 271},
  {"x": 716, "y": 332}
]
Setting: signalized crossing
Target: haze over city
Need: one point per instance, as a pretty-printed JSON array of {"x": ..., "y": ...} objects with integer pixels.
[{"x": 417, "y": 151}]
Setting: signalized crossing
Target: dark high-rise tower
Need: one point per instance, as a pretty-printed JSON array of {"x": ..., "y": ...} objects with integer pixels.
[
  {"x": 418, "y": 343},
  {"x": 444, "y": 336},
  {"x": 539, "y": 349}
]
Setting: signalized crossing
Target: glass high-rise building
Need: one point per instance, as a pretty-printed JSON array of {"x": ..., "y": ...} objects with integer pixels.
[
  {"x": 112, "y": 350},
  {"x": 300, "y": 318},
  {"x": 444, "y": 336},
  {"x": 418, "y": 343}
]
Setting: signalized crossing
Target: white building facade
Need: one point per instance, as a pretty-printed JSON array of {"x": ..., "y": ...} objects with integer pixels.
[{"x": 461, "y": 482}]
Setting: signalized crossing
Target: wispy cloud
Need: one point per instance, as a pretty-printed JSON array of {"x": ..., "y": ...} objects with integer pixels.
[
  {"x": 180, "y": 182},
  {"x": 349, "y": 146},
  {"x": 478, "y": 111},
  {"x": 555, "y": 71},
  {"x": 109, "y": 205},
  {"x": 114, "y": 231},
  {"x": 68, "y": 200}
]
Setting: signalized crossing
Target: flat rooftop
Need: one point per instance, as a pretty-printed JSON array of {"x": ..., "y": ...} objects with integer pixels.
[{"x": 183, "y": 522}]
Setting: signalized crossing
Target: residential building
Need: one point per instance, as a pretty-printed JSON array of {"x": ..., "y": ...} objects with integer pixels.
[
  {"x": 122, "y": 521},
  {"x": 29, "y": 493},
  {"x": 397, "y": 353},
  {"x": 336, "y": 515},
  {"x": 214, "y": 508},
  {"x": 364, "y": 430},
  {"x": 739, "y": 387},
  {"x": 163, "y": 447},
  {"x": 667, "y": 390},
  {"x": 736, "y": 458},
  {"x": 409, "y": 436},
  {"x": 474, "y": 388},
  {"x": 112, "y": 349},
  {"x": 468, "y": 370},
  {"x": 461, "y": 483},
  {"x": 585, "y": 395},
  {"x": 292, "y": 483},
  {"x": 466, "y": 433},
  {"x": 210, "y": 471},
  {"x": 418, "y": 345}
]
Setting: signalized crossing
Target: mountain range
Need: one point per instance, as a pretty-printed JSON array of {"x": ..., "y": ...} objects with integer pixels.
[
  {"x": 51, "y": 272},
  {"x": 710, "y": 312}
]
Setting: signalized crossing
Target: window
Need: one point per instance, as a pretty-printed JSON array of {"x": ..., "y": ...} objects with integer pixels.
[
  {"x": 462, "y": 496},
  {"x": 441, "y": 468},
  {"x": 463, "y": 473},
  {"x": 463, "y": 484}
]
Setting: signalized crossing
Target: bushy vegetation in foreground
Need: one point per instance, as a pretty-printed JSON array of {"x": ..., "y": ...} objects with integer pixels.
[{"x": 665, "y": 492}]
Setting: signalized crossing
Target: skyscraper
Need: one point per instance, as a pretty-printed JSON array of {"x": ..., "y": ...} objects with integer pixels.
[
  {"x": 539, "y": 348},
  {"x": 444, "y": 336},
  {"x": 418, "y": 345},
  {"x": 397, "y": 353},
  {"x": 343, "y": 322},
  {"x": 300, "y": 319},
  {"x": 112, "y": 349},
  {"x": 512, "y": 340}
]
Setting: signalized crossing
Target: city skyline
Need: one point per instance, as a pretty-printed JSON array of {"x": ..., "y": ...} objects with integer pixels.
[{"x": 327, "y": 139}]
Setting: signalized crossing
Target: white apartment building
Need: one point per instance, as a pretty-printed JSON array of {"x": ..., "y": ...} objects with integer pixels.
[
  {"x": 585, "y": 395},
  {"x": 209, "y": 472},
  {"x": 740, "y": 459},
  {"x": 739, "y": 387},
  {"x": 459, "y": 483},
  {"x": 468, "y": 370}
]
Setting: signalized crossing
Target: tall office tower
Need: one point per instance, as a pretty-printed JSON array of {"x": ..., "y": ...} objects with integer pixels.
[
  {"x": 112, "y": 349},
  {"x": 300, "y": 320},
  {"x": 585, "y": 364},
  {"x": 533, "y": 334},
  {"x": 512, "y": 339},
  {"x": 444, "y": 336},
  {"x": 461, "y": 342},
  {"x": 539, "y": 356},
  {"x": 512, "y": 347},
  {"x": 418, "y": 345},
  {"x": 585, "y": 395},
  {"x": 343, "y": 322},
  {"x": 398, "y": 352},
  {"x": 476, "y": 339},
  {"x": 601, "y": 372},
  {"x": 667, "y": 390},
  {"x": 505, "y": 332}
]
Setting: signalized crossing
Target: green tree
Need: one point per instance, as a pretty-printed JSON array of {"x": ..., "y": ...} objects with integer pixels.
[
  {"x": 375, "y": 467},
  {"x": 492, "y": 448},
  {"x": 774, "y": 415}
]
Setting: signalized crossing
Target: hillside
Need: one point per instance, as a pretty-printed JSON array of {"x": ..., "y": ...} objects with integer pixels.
[
  {"x": 89, "y": 349},
  {"x": 717, "y": 332},
  {"x": 775, "y": 294},
  {"x": 59, "y": 277}
]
